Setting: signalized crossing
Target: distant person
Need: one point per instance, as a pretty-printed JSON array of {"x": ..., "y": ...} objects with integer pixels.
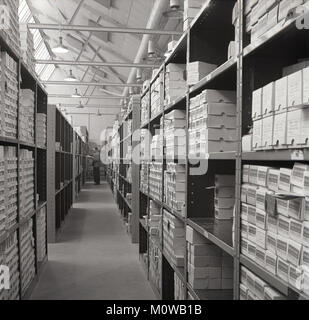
[{"x": 96, "y": 166}]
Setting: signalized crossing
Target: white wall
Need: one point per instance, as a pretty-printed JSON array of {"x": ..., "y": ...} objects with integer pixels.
[{"x": 97, "y": 124}]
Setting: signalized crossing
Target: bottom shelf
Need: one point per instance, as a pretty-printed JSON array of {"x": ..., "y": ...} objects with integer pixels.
[{"x": 211, "y": 294}]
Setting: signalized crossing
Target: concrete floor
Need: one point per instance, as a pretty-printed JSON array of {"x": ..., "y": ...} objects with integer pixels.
[{"x": 94, "y": 258}]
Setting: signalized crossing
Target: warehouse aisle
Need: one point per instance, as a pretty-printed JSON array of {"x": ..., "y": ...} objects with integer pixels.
[{"x": 94, "y": 258}]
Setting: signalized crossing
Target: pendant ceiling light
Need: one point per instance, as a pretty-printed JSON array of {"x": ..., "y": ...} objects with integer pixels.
[
  {"x": 60, "y": 48},
  {"x": 151, "y": 49},
  {"x": 99, "y": 114},
  {"x": 76, "y": 94},
  {"x": 80, "y": 106},
  {"x": 175, "y": 11},
  {"x": 139, "y": 74},
  {"x": 71, "y": 77}
]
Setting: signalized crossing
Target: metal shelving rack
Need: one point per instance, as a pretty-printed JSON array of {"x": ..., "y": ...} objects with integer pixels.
[
  {"x": 27, "y": 80},
  {"x": 254, "y": 66},
  {"x": 117, "y": 176},
  {"x": 61, "y": 157}
]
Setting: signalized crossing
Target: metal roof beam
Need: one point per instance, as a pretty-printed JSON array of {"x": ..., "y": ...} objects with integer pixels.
[{"x": 81, "y": 28}]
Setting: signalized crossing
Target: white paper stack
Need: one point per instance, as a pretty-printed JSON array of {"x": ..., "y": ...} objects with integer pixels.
[
  {"x": 199, "y": 70},
  {"x": 224, "y": 196},
  {"x": 9, "y": 95},
  {"x": 41, "y": 129},
  {"x": 10, "y": 29},
  {"x": 27, "y": 47},
  {"x": 191, "y": 9},
  {"x": 174, "y": 240},
  {"x": 26, "y": 182},
  {"x": 155, "y": 180},
  {"x": 175, "y": 134},
  {"x": 26, "y": 116},
  {"x": 11, "y": 181},
  {"x": 27, "y": 255},
  {"x": 212, "y": 123},
  {"x": 175, "y": 187},
  {"x": 208, "y": 266},
  {"x": 9, "y": 253},
  {"x": 175, "y": 82}
]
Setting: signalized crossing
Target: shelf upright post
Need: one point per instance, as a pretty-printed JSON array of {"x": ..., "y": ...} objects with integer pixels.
[
  {"x": 51, "y": 169},
  {"x": 136, "y": 123},
  {"x": 237, "y": 238}
]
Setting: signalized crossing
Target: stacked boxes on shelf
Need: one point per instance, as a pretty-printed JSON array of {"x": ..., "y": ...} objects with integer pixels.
[
  {"x": 26, "y": 182},
  {"x": 9, "y": 258},
  {"x": 26, "y": 116},
  {"x": 41, "y": 130},
  {"x": 155, "y": 264},
  {"x": 174, "y": 239},
  {"x": 27, "y": 255},
  {"x": 145, "y": 109},
  {"x": 157, "y": 143},
  {"x": 175, "y": 82},
  {"x": 41, "y": 234},
  {"x": 280, "y": 113},
  {"x": 254, "y": 288},
  {"x": 212, "y": 123},
  {"x": 155, "y": 180},
  {"x": 198, "y": 70},
  {"x": 154, "y": 220},
  {"x": 224, "y": 196},
  {"x": 262, "y": 16},
  {"x": 9, "y": 96},
  {"x": 191, "y": 9},
  {"x": 11, "y": 182},
  {"x": 277, "y": 239},
  {"x": 2, "y": 192},
  {"x": 156, "y": 94},
  {"x": 179, "y": 289},
  {"x": 208, "y": 267},
  {"x": 27, "y": 46},
  {"x": 175, "y": 134},
  {"x": 10, "y": 28},
  {"x": 144, "y": 177},
  {"x": 175, "y": 187}
]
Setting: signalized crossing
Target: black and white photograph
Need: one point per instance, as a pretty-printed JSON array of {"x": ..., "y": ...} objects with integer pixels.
[{"x": 154, "y": 154}]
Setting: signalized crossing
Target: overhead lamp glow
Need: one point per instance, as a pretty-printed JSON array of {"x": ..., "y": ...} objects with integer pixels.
[
  {"x": 138, "y": 74},
  {"x": 71, "y": 77},
  {"x": 60, "y": 48},
  {"x": 175, "y": 11},
  {"x": 151, "y": 49},
  {"x": 76, "y": 94},
  {"x": 80, "y": 106}
]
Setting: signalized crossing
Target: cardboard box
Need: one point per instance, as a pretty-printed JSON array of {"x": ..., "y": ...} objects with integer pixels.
[
  {"x": 243, "y": 291},
  {"x": 305, "y": 258},
  {"x": 194, "y": 238},
  {"x": 252, "y": 230},
  {"x": 262, "y": 176},
  {"x": 205, "y": 273},
  {"x": 251, "y": 216},
  {"x": 257, "y": 100},
  {"x": 244, "y": 229},
  {"x": 283, "y": 226},
  {"x": 251, "y": 250},
  {"x": 294, "y": 253},
  {"x": 261, "y": 238},
  {"x": 245, "y": 173},
  {"x": 244, "y": 212},
  {"x": 298, "y": 174},
  {"x": 295, "y": 209},
  {"x": 253, "y": 174},
  {"x": 260, "y": 218},
  {"x": 296, "y": 230},
  {"x": 251, "y": 195},
  {"x": 305, "y": 233},
  {"x": 268, "y": 99},
  {"x": 285, "y": 179},
  {"x": 283, "y": 269},
  {"x": 271, "y": 242},
  {"x": 273, "y": 295},
  {"x": 271, "y": 262},
  {"x": 205, "y": 261},
  {"x": 280, "y": 130},
  {"x": 295, "y": 277},
  {"x": 273, "y": 179},
  {"x": 257, "y": 139},
  {"x": 282, "y": 247},
  {"x": 244, "y": 247},
  {"x": 244, "y": 192},
  {"x": 272, "y": 224},
  {"x": 260, "y": 255}
]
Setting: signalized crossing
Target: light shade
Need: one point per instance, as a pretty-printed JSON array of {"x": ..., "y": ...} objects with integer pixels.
[
  {"x": 71, "y": 77},
  {"x": 80, "y": 106},
  {"x": 99, "y": 114},
  {"x": 174, "y": 4},
  {"x": 151, "y": 48},
  {"x": 138, "y": 74},
  {"x": 60, "y": 48},
  {"x": 76, "y": 94}
]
